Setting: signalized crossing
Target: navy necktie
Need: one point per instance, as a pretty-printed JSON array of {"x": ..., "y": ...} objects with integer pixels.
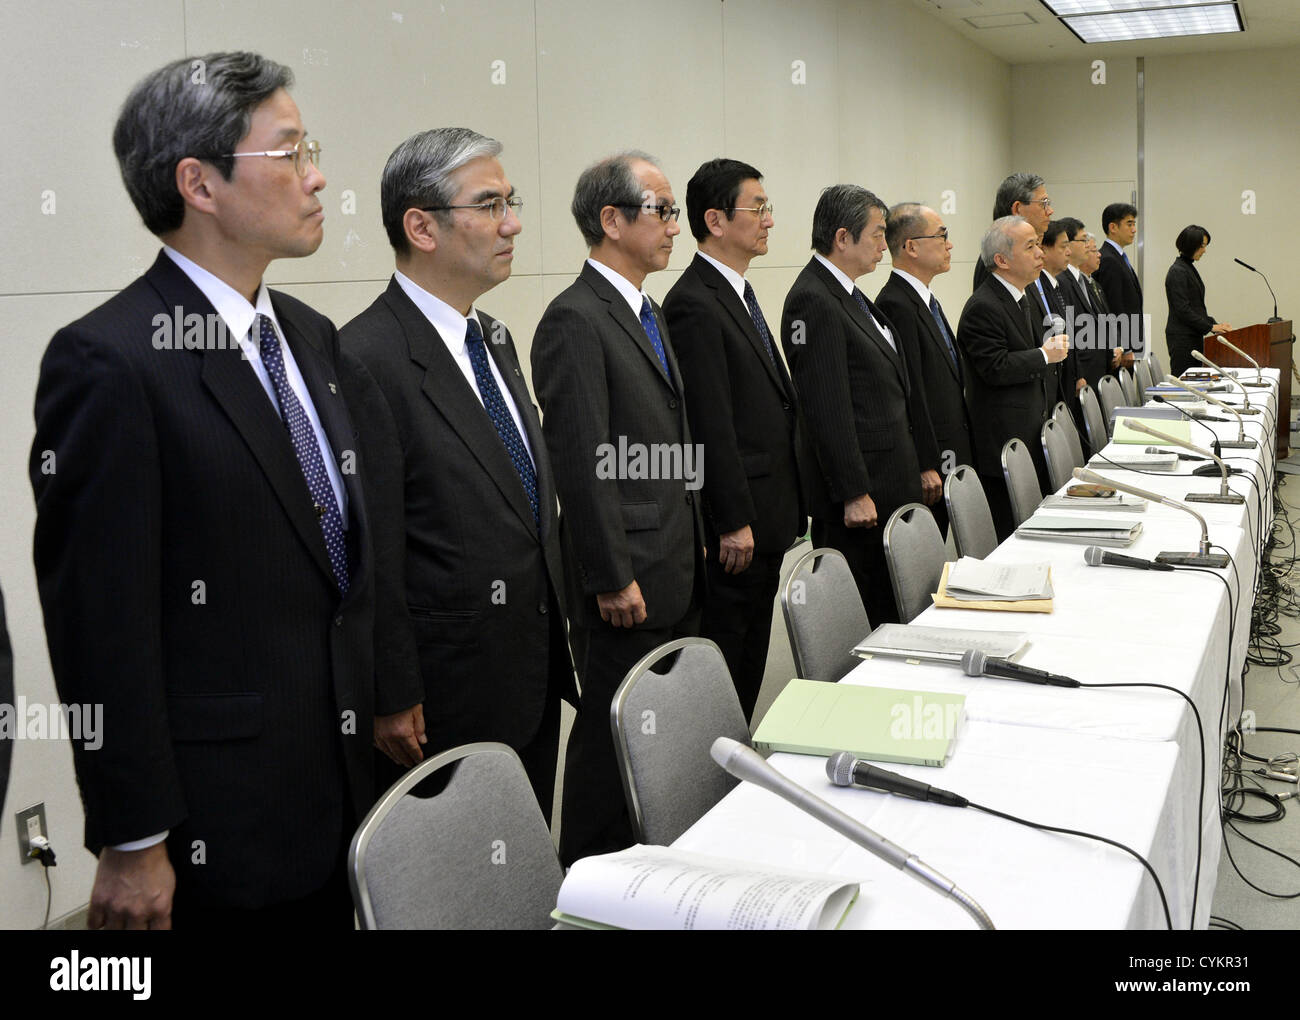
[
  {"x": 307, "y": 450},
  {"x": 937, "y": 313},
  {"x": 760, "y": 323},
  {"x": 497, "y": 410},
  {"x": 651, "y": 328}
]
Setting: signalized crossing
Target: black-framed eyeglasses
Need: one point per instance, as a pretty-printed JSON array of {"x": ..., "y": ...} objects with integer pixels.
[
  {"x": 663, "y": 210},
  {"x": 496, "y": 207},
  {"x": 764, "y": 210},
  {"x": 942, "y": 235},
  {"x": 303, "y": 153}
]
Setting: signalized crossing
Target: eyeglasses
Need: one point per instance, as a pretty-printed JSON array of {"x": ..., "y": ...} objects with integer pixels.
[
  {"x": 1045, "y": 201},
  {"x": 764, "y": 210},
  {"x": 303, "y": 153},
  {"x": 496, "y": 207},
  {"x": 941, "y": 235},
  {"x": 663, "y": 210}
]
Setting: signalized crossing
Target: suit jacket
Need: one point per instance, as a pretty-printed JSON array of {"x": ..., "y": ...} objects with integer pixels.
[
  {"x": 482, "y": 588},
  {"x": 845, "y": 371},
  {"x": 186, "y": 587},
  {"x": 625, "y": 466},
  {"x": 6, "y": 697},
  {"x": 1067, "y": 371},
  {"x": 741, "y": 405},
  {"x": 936, "y": 380},
  {"x": 1188, "y": 320},
  {"x": 1123, "y": 295},
  {"x": 1009, "y": 378},
  {"x": 1087, "y": 345}
]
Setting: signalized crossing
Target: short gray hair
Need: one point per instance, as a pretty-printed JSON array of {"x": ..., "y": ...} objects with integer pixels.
[
  {"x": 195, "y": 106},
  {"x": 611, "y": 181},
  {"x": 842, "y": 205},
  {"x": 1016, "y": 188},
  {"x": 997, "y": 240},
  {"x": 905, "y": 220},
  {"x": 418, "y": 174}
]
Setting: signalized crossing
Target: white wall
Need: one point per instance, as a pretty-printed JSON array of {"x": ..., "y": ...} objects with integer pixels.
[{"x": 892, "y": 100}]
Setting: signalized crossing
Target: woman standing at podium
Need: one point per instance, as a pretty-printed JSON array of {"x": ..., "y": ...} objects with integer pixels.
[{"x": 1188, "y": 320}]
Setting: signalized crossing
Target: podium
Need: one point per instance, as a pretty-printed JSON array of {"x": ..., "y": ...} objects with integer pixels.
[{"x": 1270, "y": 344}]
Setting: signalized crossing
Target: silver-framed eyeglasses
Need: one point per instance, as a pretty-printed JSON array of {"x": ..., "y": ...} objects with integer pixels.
[
  {"x": 764, "y": 210},
  {"x": 496, "y": 207},
  {"x": 303, "y": 153},
  {"x": 663, "y": 210}
]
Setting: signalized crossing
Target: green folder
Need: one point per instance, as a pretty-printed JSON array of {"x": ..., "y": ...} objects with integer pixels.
[
  {"x": 1179, "y": 428},
  {"x": 875, "y": 723}
]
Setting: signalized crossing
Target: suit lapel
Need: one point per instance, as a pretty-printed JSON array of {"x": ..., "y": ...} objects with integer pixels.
[
  {"x": 235, "y": 387},
  {"x": 631, "y": 324},
  {"x": 449, "y": 392},
  {"x": 931, "y": 327},
  {"x": 727, "y": 297},
  {"x": 1015, "y": 312},
  {"x": 854, "y": 311}
]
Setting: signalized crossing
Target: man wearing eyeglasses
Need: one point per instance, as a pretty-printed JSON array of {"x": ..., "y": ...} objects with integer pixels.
[
  {"x": 920, "y": 250},
  {"x": 480, "y": 559},
  {"x": 742, "y": 411},
  {"x": 202, "y": 545},
  {"x": 1024, "y": 195},
  {"x": 628, "y": 473}
]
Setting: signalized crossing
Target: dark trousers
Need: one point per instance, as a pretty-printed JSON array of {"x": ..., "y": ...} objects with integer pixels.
[
  {"x": 1180, "y": 353},
  {"x": 593, "y": 817},
  {"x": 738, "y": 618},
  {"x": 864, "y": 548}
]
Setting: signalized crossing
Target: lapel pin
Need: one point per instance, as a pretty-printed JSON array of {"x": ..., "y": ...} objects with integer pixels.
[{"x": 333, "y": 388}]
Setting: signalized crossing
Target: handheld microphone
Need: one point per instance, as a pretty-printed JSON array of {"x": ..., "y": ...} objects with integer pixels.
[
  {"x": 1201, "y": 558},
  {"x": 1266, "y": 284},
  {"x": 1224, "y": 495},
  {"x": 1095, "y": 556},
  {"x": 843, "y": 769},
  {"x": 746, "y": 764},
  {"x": 1241, "y": 442},
  {"x": 977, "y": 663}
]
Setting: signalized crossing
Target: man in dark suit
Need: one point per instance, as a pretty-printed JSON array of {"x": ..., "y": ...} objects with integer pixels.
[
  {"x": 741, "y": 406},
  {"x": 920, "y": 250},
  {"x": 1056, "y": 256},
  {"x": 849, "y": 369},
  {"x": 1019, "y": 194},
  {"x": 1001, "y": 334},
  {"x": 626, "y": 469},
  {"x": 1087, "y": 345},
  {"x": 202, "y": 546},
  {"x": 481, "y": 570},
  {"x": 1119, "y": 280}
]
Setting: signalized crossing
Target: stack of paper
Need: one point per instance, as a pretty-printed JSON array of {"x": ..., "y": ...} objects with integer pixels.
[
  {"x": 938, "y": 644},
  {"x": 975, "y": 580},
  {"x": 1120, "y": 501},
  {"x": 1080, "y": 526},
  {"x": 1128, "y": 456}
]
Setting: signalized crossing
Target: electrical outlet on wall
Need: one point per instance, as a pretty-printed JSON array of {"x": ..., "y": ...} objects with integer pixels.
[{"x": 31, "y": 823}]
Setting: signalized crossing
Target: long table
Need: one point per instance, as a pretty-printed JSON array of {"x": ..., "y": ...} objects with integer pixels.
[{"x": 1123, "y": 763}]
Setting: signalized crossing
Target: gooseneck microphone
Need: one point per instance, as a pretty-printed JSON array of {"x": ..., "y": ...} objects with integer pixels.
[
  {"x": 1214, "y": 445},
  {"x": 977, "y": 663},
  {"x": 843, "y": 769},
  {"x": 746, "y": 764},
  {"x": 1241, "y": 442},
  {"x": 1224, "y": 494},
  {"x": 1227, "y": 376},
  {"x": 1270, "y": 290},
  {"x": 1095, "y": 556}
]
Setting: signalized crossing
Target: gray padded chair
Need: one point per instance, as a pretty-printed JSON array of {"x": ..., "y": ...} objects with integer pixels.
[
  {"x": 1157, "y": 367},
  {"x": 1060, "y": 458},
  {"x": 1094, "y": 422},
  {"x": 1065, "y": 422},
  {"x": 824, "y": 615},
  {"x": 664, "y": 725},
  {"x": 915, "y": 553},
  {"x": 968, "y": 510},
  {"x": 1111, "y": 396},
  {"x": 1022, "y": 480},
  {"x": 476, "y": 855},
  {"x": 1128, "y": 386},
  {"x": 1142, "y": 375}
]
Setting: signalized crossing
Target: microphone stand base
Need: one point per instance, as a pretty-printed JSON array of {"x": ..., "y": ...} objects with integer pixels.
[
  {"x": 1238, "y": 444},
  {"x": 1214, "y": 497},
  {"x": 1258, "y": 385},
  {"x": 1217, "y": 561}
]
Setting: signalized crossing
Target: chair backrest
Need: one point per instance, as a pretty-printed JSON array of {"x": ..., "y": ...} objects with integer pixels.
[
  {"x": 1111, "y": 396},
  {"x": 1056, "y": 448},
  {"x": 1142, "y": 375},
  {"x": 1157, "y": 366},
  {"x": 915, "y": 553},
  {"x": 1128, "y": 386},
  {"x": 1022, "y": 480},
  {"x": 824, "y": 615},
  {"x": 664, "y": 724},
  {"x": 968, "y": 509},
  {"x": 428, "y": 862},
  {"x": 1094, "y": 422},
  {"x": 1065, "y": 422}
]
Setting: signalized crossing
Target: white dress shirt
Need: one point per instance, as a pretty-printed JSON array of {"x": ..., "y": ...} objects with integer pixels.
[
  {"x": 634, "y": 296},
  {"x": 730, "y": 275}
]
